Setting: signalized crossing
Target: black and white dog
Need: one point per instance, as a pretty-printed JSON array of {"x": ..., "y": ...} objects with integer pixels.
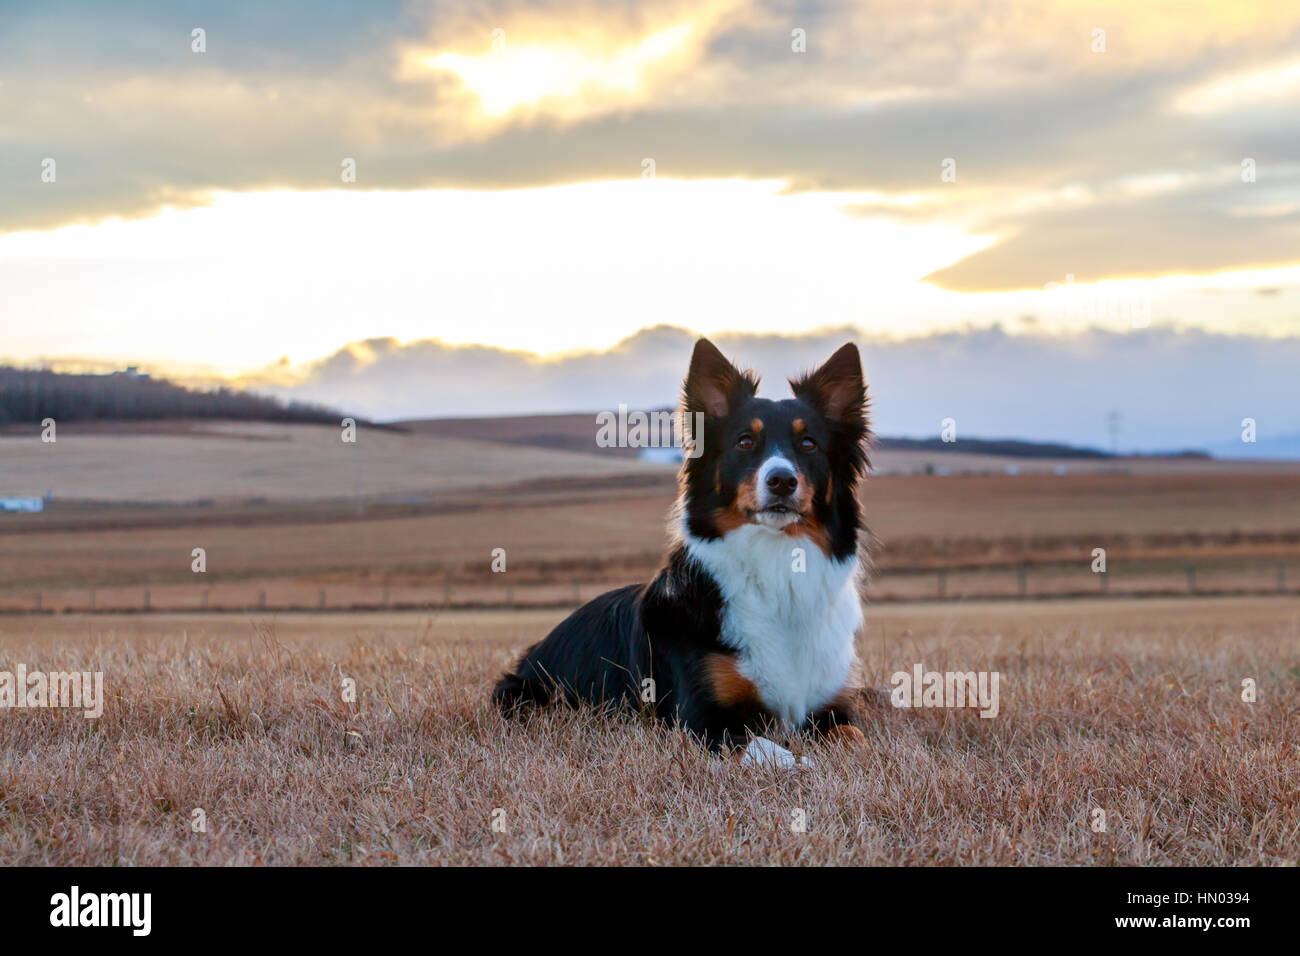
[{"x": 752, "y": 621}]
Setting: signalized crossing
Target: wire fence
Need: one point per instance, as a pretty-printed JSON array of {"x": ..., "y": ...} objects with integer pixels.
[{"x": 1020, "y": 582}]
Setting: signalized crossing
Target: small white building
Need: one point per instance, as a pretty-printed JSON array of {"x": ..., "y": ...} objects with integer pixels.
[
  {"x": 21, "y": 503},
  {"x": 665, "y": 455}
]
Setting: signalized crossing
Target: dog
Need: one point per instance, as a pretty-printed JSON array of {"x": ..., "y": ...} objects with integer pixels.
[{"x": 750, "y": 625}]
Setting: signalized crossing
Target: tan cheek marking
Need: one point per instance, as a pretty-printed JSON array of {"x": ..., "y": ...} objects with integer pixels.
[
  {"x": 804, "y": 499},
  {"x": 731, "y": 518},
  {"x": 809, "y": 526},
  {"x": 729, "y": 686},
  {"x": 813, "y": 530},
  {"x": 727, "y": 520},
  {"x": 747, "y": 493}
]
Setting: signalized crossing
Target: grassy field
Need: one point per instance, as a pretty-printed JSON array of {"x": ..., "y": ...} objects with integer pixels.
[
  {"x": 221, "y": 462},
  {"x": 1130, "y": 707},
  {"x": 408, "y": 519}
]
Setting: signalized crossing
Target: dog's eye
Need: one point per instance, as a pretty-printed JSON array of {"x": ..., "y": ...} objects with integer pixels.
[
  {"x": 806, "y": 444},
  {"x": 745, "y": 441}
]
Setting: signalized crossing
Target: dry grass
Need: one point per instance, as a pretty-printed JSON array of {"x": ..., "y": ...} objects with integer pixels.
[
  {"x": 1132, "y": 707},
  {"x": 231, "y": 461},
  {"x": 548, "y": 531}
]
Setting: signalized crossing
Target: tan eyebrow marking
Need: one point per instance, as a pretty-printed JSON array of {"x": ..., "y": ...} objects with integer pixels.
[
  {"x": 756, "y": 425},
  {"x": 798, "y": 427}
]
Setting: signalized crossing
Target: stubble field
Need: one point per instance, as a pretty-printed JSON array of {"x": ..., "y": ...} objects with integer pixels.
[
  {"x": 1132, "y": 708},
  {"x": 414, "y": 521},
  {"x": 232, "y": 736}
]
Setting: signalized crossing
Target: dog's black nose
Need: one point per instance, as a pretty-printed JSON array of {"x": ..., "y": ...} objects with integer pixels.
[{"x": 782, "y": 482}]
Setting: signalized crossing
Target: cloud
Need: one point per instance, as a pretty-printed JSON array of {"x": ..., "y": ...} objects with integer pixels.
[
  {"x": 596, "y": 60},
  {"x": 585, "y": 91},
  {"x": 1229, "y": 224},
  {"x": 1173, "y": 390}
]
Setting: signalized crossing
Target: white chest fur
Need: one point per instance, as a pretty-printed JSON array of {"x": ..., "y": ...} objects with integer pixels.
[{"x": 792, "y": 620}]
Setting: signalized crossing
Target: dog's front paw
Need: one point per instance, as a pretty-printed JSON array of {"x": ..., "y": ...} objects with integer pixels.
[{"x": 762, "y": 752}]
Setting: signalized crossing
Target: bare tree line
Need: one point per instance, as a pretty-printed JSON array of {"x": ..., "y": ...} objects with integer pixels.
[{"x": 31, "y": 395}]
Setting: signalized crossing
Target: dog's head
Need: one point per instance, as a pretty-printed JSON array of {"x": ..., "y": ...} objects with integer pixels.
[{"x": 791, "y": 466}]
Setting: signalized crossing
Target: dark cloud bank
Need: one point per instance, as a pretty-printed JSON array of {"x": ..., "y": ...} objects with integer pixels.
[{"x": 1173, "y": 389}]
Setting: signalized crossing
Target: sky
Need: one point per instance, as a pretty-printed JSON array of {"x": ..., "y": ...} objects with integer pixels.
[
  {"x": 1172, "y": 390},
  {"x": 256, "y": 190}
]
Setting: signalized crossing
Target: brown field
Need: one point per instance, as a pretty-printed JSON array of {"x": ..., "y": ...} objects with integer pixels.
[
  {"x": 283, "y": 512},
  {"x": 222, "y": 462},
  {"x": 1131, "y": 707}
]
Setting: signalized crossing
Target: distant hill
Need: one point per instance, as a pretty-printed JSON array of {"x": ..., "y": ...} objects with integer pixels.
[
  {"x": 572, "y": 432},
  {"x": 1010, "y": 447},
  {"x": 1015, "y": 448},
  {"x": 577, "y": 432},
  {"x": 29, "y": 396}
]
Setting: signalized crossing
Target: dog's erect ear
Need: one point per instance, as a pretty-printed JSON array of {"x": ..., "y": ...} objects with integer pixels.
[
  {"x": 836, "y": 389},
  {"x": 713, "y": 385}
]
